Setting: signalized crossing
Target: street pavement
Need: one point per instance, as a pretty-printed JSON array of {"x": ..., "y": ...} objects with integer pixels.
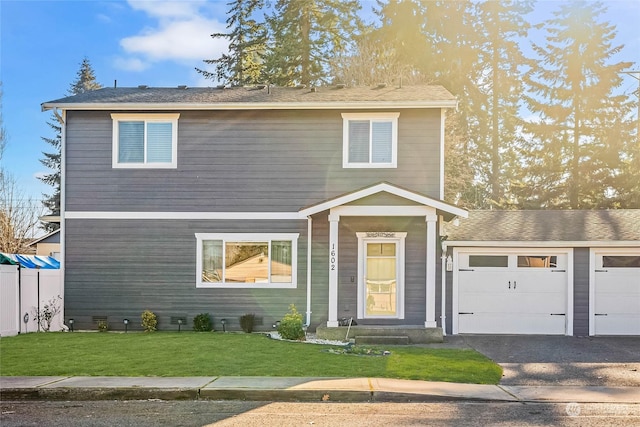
[{"x": 536, "y": 369}]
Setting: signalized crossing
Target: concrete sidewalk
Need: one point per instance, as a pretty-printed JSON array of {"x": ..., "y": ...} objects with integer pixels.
[{"x": 298, "y": 389}]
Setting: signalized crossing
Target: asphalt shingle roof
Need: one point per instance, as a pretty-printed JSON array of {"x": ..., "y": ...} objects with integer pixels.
[
  {"x": 257, "y": 95},
  {"x": 548, "y": 225}
]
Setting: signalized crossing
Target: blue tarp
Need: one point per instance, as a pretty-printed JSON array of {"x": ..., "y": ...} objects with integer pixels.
[{"x": 34, "y": 261}]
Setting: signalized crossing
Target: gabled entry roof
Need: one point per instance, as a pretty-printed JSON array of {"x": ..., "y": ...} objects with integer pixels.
[{"x": 446, "y": 209}]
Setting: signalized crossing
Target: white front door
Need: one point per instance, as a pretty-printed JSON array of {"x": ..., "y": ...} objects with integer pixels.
[
  {"x": 521, "y": 291},
  {"x": 616, "y": 293},
  {"x": 381, "y": 275}
]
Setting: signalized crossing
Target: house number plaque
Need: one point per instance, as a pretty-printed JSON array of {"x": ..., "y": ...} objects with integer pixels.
[{"x": 381, "y": 234}]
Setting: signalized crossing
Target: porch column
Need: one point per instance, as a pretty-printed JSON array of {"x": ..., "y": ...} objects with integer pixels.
[
  {"x": 332, "y": 321},
  {"x": 430, "y": 321}
]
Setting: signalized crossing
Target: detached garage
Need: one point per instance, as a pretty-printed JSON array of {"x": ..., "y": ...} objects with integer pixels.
[{"x": 544, "y": 272}]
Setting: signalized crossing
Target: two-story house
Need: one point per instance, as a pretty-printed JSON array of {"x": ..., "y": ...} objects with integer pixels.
[{"x": 232, "y": 201}]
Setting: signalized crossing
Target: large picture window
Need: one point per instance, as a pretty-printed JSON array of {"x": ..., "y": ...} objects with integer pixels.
[
  {"x": 240, "y": 260},
  {"x": 370, "y": 140},
  {"x": 145, "y": 140}
]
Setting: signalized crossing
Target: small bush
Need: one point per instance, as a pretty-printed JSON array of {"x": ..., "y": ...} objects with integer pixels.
[
  {"x": 103, "y": 326},
  {"x": 149, "y": 321},
  {"x": 202, "y": 323},
  {"x": 247, "y": 321},
  {"x": 290, "y": 327}
]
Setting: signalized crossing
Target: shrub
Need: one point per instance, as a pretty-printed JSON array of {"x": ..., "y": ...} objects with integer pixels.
[
  {"x": 290, "y": 327},
  {"x": 247, "y": 321},
  {"x": 47, "y": 313},
  {"x": 202, "y": 323},
  {"x": 149, "y": 321},
  {"x": 103, "y": 326}
]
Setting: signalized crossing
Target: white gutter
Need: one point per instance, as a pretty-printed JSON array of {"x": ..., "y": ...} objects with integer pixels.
[
  {"x": 543, "y": 243},
  {"x": 309, "y": 231},
  {"x": 327, "y": 105}
]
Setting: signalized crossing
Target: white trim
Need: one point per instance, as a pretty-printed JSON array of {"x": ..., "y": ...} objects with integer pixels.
[
  {"x": 63, "y": 201},
  {"x": 442, "y": 142},
  {"x": 248, "y": 106},
  {"x": 388, "y": 188},
  {"x": 146, "y": 118},
  {"x": 248, "y": 237},
  {"x": 430, "y": 273},
  {"x": 371, "y": 118},
  {"x": 332, "y": 320},
  {"x": 399, "y": 239},
  {"x": 376, "y": 210},
  {"x": 593, "y": 266},
  {"x": 511, "y": 251},
  {"x": 309, "y": 257},
  {"x": 542, "y": 243},
  {"x": 184, "y": 215}
]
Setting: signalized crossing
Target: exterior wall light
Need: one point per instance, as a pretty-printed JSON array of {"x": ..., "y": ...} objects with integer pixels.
[{"x": 126, "y": 324}]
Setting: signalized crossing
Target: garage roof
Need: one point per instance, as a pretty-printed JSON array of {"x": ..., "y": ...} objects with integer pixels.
[{"x": 613, "y": 226}]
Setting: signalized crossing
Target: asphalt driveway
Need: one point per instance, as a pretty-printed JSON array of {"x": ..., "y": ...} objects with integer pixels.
[{"x": 559, "y": 360}]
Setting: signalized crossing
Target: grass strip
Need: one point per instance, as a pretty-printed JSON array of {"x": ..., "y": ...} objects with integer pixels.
[{"x": 169, "y": 354}]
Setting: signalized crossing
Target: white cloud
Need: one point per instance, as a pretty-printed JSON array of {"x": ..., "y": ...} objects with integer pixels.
[
  {"x": 181, "y": 33},
  {"x": 131, "y": 64},
  {"x": 168, "y": 9}
]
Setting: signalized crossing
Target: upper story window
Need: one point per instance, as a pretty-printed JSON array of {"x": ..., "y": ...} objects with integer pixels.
[
  {"x": 145, "y": 140},
  {"x": 370, "y": 140}
]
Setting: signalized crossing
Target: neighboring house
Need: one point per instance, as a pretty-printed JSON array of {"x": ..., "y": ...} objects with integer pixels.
[
  {"x": 48, "y": 245},
  {"x": 245, "y": 200}
]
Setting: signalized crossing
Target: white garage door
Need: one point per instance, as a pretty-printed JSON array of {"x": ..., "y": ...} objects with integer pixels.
[
  {"x": 518, "y": 292},
  {"x": 616, "y": 308}
]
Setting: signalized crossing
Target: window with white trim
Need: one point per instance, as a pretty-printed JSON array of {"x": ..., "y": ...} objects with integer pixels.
[
  {"x": 246, "y": 260},
  {"x": 145, "y": 140},
  {"x": 370, "y": 140}
]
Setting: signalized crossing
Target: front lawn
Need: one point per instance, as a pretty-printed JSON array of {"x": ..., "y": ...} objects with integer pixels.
[{"x": 172, "y": 354}]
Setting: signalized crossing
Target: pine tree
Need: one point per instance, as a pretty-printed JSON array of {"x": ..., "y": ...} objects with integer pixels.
[
  {"x": 572, "y": 87},
  {"x": 85, "y": 81},
  {"x": 497, "y": 25},
  {"x": 305, "y": 36},
  {"x": 243, "y": 65}
]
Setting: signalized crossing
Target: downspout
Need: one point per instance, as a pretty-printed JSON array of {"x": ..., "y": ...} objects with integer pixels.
[
  {"x": 309, "y": 231},
  {"x": 443, "y": 297}
]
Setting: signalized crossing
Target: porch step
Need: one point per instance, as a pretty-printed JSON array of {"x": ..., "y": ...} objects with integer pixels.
[{"x": 383, "y": 339}]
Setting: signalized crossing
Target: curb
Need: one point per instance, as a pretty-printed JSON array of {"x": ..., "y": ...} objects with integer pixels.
[{"x": 126, "y": 393}]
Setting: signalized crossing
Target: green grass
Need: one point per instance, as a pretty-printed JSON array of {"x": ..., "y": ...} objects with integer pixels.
[{"x": 169, "y": 354}]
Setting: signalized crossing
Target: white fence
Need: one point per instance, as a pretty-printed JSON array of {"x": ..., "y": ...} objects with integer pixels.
[{"x": 20, "y": 291}]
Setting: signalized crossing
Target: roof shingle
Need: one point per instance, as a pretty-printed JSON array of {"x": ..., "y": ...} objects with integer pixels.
[
  {"x": 254, "y": 96},
  {"x": 548, "y": 225}
]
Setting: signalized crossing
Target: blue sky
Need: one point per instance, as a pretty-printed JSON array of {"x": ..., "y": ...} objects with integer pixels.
[{"x": 155, "y": 43}]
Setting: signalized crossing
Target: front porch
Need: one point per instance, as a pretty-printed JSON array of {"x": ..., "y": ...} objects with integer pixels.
[{"x": 412, "y": 334}]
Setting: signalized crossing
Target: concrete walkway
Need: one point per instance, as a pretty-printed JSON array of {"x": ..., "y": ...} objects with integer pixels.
[{"x": 298, "y": 389}]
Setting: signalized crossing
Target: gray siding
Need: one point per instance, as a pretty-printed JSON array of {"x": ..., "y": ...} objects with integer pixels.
[
  {"x": 119, "y": 268},
  {"x": 415, "y": 281},
  {"x": 581, "y": 291},
  {"x": 242, "y": 161}
]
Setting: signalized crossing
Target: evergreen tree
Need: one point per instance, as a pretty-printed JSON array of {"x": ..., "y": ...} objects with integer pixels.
[
  {"x": 305, "y": 36},
  {"x": 497, "y": 25},
  {"x": 85, "y": 81},
  {"x": 243, "y": 65},
  {"x": 581, "y": 119}
]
